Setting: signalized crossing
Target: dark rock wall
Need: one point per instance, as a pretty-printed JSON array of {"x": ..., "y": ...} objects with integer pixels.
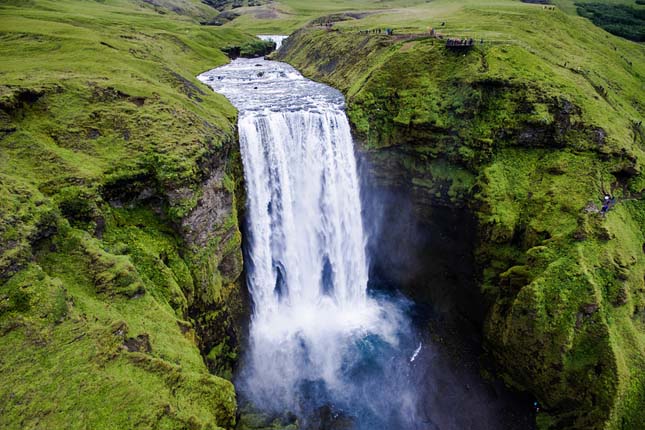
[{"x": 433, "y": 262}]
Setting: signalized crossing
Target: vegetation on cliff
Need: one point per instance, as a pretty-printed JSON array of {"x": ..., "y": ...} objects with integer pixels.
[
  {"x": 120, "y": 189},
  {"x": 120, "y": 250},
  {"x": 621, "y": 20},
  {"x": 529, "y": 130}
]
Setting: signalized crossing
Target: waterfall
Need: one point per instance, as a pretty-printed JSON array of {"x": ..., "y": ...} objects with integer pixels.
[
  {"x": 309, "y": 271},
  {"x": 278, "y": 39},
  {"x": 305, "y": 218},
  {"x": 314, "y": 325}
]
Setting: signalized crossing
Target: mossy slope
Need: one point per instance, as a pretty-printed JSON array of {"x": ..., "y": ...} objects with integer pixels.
[
  {"x": 528, "y": 130},
  {"x": 120, "y": 250}
]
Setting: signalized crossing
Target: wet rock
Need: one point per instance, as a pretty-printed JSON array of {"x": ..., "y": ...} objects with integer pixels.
[
  {"x": 591, "y": 208},
  {"x": 599, "y": 136},
  {"x": 93, "y": 133},
  {"x": 141, "y": 343},
  {"x": 212, "y": 210},
  {"x": 138, "y": 101},
  {"x": 590, "y": 308},
  {"x": 579, "y": 319},
  {"x": 100, "y": 227},
  {"x": 177, "y": 195},
  {"x": 621, "y": 296}
]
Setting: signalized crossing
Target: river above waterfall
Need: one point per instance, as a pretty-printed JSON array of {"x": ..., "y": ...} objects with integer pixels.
[{"x": 255, "y": 85}]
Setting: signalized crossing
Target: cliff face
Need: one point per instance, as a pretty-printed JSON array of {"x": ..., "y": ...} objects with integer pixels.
[
  {"x": 525, "y": 146},
  {"x": 120, "y": 246}
]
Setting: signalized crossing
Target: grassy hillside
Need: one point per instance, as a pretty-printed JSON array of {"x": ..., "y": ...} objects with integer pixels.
[
  {"x": 119, "y": 242},
  {"x": 285, "y": 16},
  {"x": 536, "y": 125},
  {"x": 569, "y": 6},
  {"x": 120, "y": 185},
  {"x": 621, "y": 20}
]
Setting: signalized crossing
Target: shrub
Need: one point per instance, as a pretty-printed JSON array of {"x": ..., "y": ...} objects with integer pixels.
[{"x": 621, "y": 20}]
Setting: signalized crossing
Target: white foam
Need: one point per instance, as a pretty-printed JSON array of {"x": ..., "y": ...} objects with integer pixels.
[
  {"x": 307, "y": 268},
  {"x": 277, "y": 38}
]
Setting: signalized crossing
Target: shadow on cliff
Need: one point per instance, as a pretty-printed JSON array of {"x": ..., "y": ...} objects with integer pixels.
[{"x": 422, "y": 246}]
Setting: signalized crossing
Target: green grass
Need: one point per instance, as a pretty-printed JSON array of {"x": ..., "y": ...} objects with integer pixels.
[
  {"x": 107, "y": 140},
  {"x": 529, "y": 129},
  {"x": 621, "y": 20},
  {"x": 569, "y": 6},
  {"x": 286, "y": 16}
]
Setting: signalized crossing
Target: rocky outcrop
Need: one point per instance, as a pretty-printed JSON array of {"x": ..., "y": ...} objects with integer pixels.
[{"x": 212, "y": 235}]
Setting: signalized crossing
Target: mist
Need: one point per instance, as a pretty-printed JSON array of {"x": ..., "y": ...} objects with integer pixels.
[{"x": 354, "y": 294}]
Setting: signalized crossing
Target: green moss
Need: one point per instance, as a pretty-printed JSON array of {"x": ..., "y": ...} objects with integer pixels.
[
  {"x": 100, "y": 166},
  {"x": 71, "y": 354},
  {"x": 558, "y": 306},
  {"x": 155, "y": 251},
  {"x": 621, "y": 20},
  {"x": 253, "y": 420},
  {"x": 529, "y": 130}
]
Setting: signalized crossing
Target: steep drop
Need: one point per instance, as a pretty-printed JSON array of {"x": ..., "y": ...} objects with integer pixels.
[{"x": 317, "y": 338}]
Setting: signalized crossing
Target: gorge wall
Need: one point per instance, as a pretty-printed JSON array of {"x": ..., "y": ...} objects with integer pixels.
[
  {"x": 508, "y": 153},
  {"x": 121, "y": 295}
]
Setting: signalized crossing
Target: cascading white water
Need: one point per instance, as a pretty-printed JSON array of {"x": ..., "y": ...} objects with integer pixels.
[
  {"x": 278, "y": 39},
  {"x": 304, "y": 208},
  {"x": 308, "y": 270}
]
